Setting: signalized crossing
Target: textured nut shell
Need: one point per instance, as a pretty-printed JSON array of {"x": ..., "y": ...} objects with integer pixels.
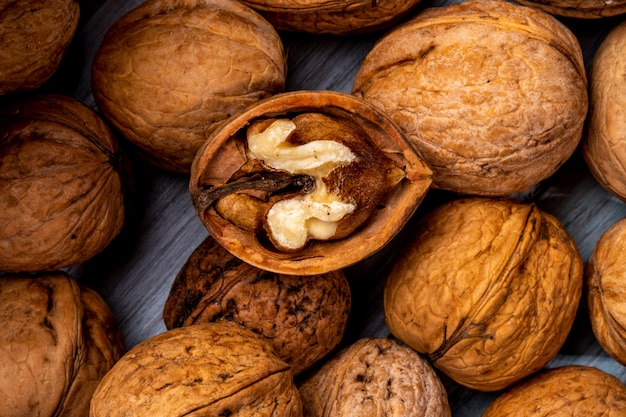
[
  {"x": 374, "y": 377},
  {"x": 488, "y": 289},
  {"x": 606, "y": 291},
  {"x": 61, "y": 191},
  {"x": 585, "y": 9},
  {"x": 34, "y": 42},
  {"x": 604, "y": 147},
  {"x": 168, "y": 71},
  {"x": 331, "y": 16},
  {"x": 217, "y": 369},
  {"x": 319, "y": 256},
  {"x": 491, "y": 94},
  {"x": 571, "y": 390},
  {"x": 58, "y": 340},
  {"x": 304, "y": 318}
]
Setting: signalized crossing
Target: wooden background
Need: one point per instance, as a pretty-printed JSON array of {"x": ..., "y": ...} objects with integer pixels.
[{"x": 135, "y": 272}]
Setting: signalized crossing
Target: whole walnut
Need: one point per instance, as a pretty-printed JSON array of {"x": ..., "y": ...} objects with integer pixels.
[
  {"x": 492, "y": 95},
  {"x": 35, "y": 35},
  {"x": 168, "y": 71},
  {"x": 303, "y": 317},
  {"x": 570, "y": 390},
  {"x": 374, "y": 377},
  {"x": 58, "y": 340},
  {"x": 603, "y": 144},
  {"x": 585, "y": 9},
  {"x": 605, "y": 288},
  {"x": 488, "y": 289},
  {"x": 63, "y": 178},
  {"x": 208, "y": 369}
]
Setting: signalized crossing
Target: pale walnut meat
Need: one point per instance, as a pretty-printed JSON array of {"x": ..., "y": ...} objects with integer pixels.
[
  {"x": 579, "y": 9},
  {"x": 603, "y": 144},
  {"x": 168, "y": 71},
  {"x": 307, "y": 182},
  {"x": 63, "y": 179},
  {"x": 35, "y": 36},
  {"x": 492, "y": 95},
  {"x": 487, "y": 288},
  {"x": 605, "y": 291},
  {"x": 58, "y": 340},
  {"x": 570, "y": 390},
  {"x": 208, "y": 369},
  {"x": 303, "y": 317},
  {"x": 374, "y": 377}
]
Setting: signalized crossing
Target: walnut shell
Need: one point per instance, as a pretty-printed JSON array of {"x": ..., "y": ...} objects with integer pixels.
[
  {"x": 225, "y": 154},
  {"x": 374, "y": 377},
  {"x": 603, "y": 145},
  {"x": 488, "y": 289},
  {"x": 217, "y": 369},
  {"x": 168, "y": 71},
  {"x": 570, "y": 390},
  {"x": 34, "y": 42},
  {"x": 586, "y": 9},
  {"x": 61, "y": 184},
  {"x": 491, "y": 94},
  {"x": 58, "y": 340},
  {"x": 605, "y": 291}
]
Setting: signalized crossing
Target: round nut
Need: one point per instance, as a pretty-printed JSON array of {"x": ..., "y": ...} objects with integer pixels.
[
  {"x": 168, "y": 71},
  {"x": 61, "y": 184},
  {"x": 605, "y": 289},
  {"x": 488, "y": 289},
  {"x": 492, "y": 95},
  {"x": 217, "y": 369},
  {"x": 303, "y": 317},
  {"x": 58, "y": 340},
  {"x": 342, "y": 185},
  {"x": 603, "y": 145},
  {"x": 585, "y": 9},
  {"x": 374, "y": 377},
  {"x": 35, "y": 35},
  {"x": 571, "y": 390}
]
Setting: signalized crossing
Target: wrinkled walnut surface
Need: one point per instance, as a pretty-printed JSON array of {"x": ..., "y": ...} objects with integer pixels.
[
  {"x": 488, "y": 289},
  {"x": 580, "y": 9}
]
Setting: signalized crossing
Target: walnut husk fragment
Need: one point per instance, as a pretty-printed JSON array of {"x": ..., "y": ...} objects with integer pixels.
[
  {"x": 374, "y": 377},
  {"x": 167, "y": 71},
  {"x": 58, "y": 340},
  {"x": 216, "y": 369},
  {"x": 488, "y": 289},
  {"x": 303, "y": 317},
  {"x": 492, "y": 95},
  {"x": 63, "y": 178},
  {"x": 585, "y": 9}
]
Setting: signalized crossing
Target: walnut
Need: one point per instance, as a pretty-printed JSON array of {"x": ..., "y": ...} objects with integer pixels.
[
  {"x": 62, "y": 182},
  {"x": 307, "y": 182},
  {"x": 488, "y": 289},
  {"x": 570, "y": 390},
  {"x": 492, "y": 95},
  {"x": 167, "y": 72},
  {"x": 35, "y": 35},
  {"x": 585, "y": 9},
  {"x": 374, "y": 377},
  {"x": 603, "y": 145},
  {"x": 217, "y": 369},
  {"x": 303, "y": 317},
  {"x": 58, "y": 340}
]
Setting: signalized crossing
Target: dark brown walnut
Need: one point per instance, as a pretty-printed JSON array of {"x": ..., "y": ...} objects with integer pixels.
[
  {"x": 307, "y": 182},
  {"x": 209, "y": 369},
  {"x": 374, "y": 377},
  {"x": 570, "y": 390},
  {"x": 331, "y": 16},
  {"x": 168, "y": 71},
  {"x": 58, "y": 340},
  {"x": 580, "y": 9},
  {"x": 35, "y": 35},
  {"x": 488, "y": 289},
  {"x": 62, "y": 184},
  {"x": 603, "y": 147},
  {"x": 605, "y": 291},
  {"x": 492, "y": 95}
]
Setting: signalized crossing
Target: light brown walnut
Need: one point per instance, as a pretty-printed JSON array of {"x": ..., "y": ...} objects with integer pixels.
[{"x": 579, "y": 9}]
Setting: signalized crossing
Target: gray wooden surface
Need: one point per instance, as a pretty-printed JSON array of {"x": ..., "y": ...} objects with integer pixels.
[{"x": 135, "y": 272}]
